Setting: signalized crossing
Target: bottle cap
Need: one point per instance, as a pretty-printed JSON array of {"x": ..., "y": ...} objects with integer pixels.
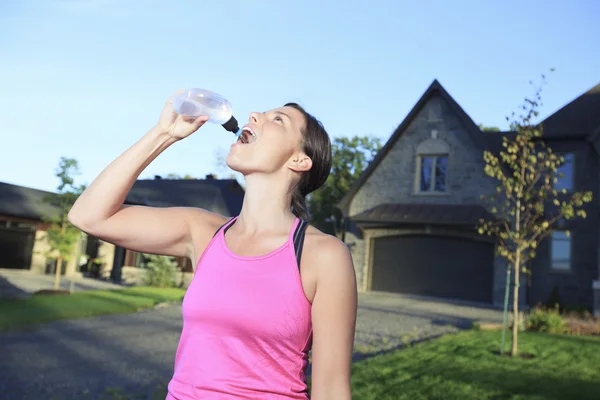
[{"x": 231, "y": 125}]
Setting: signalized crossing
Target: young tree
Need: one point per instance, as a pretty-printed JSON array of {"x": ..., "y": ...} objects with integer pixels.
[
  {"x": 350, "y": 158},
  {"x": 61, "y": 236},
  {"x": 527, "y": 204}
]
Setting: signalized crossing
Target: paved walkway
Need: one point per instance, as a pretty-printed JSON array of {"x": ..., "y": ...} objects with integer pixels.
[
  {"x": 15, "y": 283},
  {"x": 82, "y": 359}
]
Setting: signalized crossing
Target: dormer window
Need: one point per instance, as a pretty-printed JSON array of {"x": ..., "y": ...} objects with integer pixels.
[{"x": 432, "y": 166}]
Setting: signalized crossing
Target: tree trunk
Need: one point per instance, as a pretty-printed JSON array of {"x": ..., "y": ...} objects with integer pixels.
[
  {"x": 59, "y": 260},
  {"x": 59, "y": 263},
  {"x": 515, "y": 329}
]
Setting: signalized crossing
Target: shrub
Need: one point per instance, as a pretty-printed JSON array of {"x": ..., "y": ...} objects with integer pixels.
[
  {"x": 160, "y": 271},
  {"x": 546, "y": 320},
  {"x": 578, "y": 323}
]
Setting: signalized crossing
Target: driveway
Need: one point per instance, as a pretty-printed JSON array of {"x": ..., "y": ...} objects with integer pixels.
[
  {"x": 83, "y": 359},
  {"x": 15, "y": 283},
  {"x": 388, "y": 320}
]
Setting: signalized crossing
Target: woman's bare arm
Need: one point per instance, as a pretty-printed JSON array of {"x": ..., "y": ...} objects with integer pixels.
[
  {"x": 100, "y": 212},
  {"x": 334, "y": 319}
]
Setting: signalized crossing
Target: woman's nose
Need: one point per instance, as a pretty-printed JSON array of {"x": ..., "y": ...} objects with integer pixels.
[{"x": 254, "y": 118}]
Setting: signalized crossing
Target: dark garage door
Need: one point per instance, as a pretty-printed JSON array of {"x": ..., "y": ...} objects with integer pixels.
[
  {"x": 437, "y": 266},
  {"x": 16, "y": 247}
]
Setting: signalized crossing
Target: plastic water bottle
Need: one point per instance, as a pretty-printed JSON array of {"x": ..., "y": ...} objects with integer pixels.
[{"x": 197, "y": 102}]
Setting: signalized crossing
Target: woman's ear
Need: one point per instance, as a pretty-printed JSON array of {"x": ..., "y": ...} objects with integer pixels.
[{"x": 300, "y": 163}]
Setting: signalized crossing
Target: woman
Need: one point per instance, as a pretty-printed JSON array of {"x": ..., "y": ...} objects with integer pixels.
[{"x": 266, "y": 287}]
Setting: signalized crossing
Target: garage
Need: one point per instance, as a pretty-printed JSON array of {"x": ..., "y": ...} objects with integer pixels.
[
  {"x": 16, "y": 246},
  {"x": 436, "y": 266}
]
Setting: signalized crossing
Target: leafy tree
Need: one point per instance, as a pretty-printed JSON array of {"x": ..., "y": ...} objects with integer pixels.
[
  {"x": 350, "y": 158},
  {"x": 488, "y": 128},
  {"x": 527, "y": 204},
  {"x": 61, "y": 236},
  {"x": 173, "y": 175}
]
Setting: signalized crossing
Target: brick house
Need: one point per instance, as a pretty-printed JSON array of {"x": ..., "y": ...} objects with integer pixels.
[
  {"x": 22, "y": 230},
  {"x": 222, "y": 196},
  {"x": 411, "y": 217}
]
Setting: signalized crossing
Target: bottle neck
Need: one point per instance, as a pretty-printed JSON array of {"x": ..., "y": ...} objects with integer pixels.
[{"x": 232, "y": 126}]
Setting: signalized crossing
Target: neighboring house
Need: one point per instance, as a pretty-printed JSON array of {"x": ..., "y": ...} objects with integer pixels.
[
  {"x": 21, "y": 229},
  {"x": 222, "y": 196},
  {"x": 411, "y": 217}
]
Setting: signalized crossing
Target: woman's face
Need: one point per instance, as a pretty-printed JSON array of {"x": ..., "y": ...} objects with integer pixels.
[{"x": 269, "y": 142}]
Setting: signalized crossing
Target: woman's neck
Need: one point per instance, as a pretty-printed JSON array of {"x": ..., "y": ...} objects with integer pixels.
[{"x": 266, "y": 206}]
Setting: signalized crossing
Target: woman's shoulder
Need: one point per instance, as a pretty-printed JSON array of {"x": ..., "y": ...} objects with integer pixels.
[
  {"x": 328, "y": 262},
  {"x": 326, "y": 251},
  {"x": 324, "y": 241}
]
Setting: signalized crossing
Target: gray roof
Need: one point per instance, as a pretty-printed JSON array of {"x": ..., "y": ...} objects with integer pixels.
[
  {"x": 439, "y": 214},
  {"x": 223, "y": 196},
  {"x": 23, "y": 202},
  {"x": 580, "y": 117}
]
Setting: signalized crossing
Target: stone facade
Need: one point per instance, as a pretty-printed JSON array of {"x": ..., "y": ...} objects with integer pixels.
[
  {"x": 40, "y": 255},
  {"x": 437, "y": 128},
  {"x": 40, "y": 249},
  {"x": 393, "y": 181}
]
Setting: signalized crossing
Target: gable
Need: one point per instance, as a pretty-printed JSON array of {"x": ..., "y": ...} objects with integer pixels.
[{"x": 440, "y": 117}]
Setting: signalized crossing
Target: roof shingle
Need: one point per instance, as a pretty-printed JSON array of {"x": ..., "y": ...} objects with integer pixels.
[
  {"x": 223, "y": 196},
  {"x": 439, "y": 214},
  {"x": 23, "y": 202}
]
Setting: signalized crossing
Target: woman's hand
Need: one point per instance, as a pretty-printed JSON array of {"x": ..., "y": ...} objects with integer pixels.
[{"x": 175, "y": 125}]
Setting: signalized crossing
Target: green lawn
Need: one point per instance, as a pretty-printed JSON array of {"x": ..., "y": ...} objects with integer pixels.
[
  {"x": 463, "y": 366},
  {"x": 460, "y": 366},
  {"x": 43, "y": 308}
]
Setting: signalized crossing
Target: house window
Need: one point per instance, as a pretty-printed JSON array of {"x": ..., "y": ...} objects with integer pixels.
[
  {"x": 433, "y": 173},
  {"x": 565, "y": 173},
  {"x": 561, "y": 251},
  {"x": 432, "y": 165}
]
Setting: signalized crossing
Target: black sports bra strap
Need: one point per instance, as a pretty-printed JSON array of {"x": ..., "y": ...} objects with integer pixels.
[
  {"x": 299, "y": 239},
  {"x": 227, "y": 225}
]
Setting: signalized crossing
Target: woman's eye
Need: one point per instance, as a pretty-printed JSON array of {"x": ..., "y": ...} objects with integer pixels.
[{"x": 278, "y": 118}]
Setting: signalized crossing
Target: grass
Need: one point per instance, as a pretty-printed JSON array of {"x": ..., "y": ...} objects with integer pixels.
[
  {"x": 461, "y": 366},
  {"x": 466, "y": 366},
  {"x": 16, "y": 314}
]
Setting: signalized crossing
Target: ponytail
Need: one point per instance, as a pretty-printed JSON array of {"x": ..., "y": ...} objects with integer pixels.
[
  {"x": 299, "y": 207},
  {"x": 317, "y": 146}
]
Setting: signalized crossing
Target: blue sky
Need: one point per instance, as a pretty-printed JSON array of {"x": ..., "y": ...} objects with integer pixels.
[{"x": 87, "y": 78}]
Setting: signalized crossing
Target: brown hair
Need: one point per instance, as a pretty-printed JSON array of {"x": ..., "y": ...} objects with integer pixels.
[{"x": 317, "y": 146}]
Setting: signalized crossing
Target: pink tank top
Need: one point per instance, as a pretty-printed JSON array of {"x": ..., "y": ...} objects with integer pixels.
[{"x": 247, "y": 325}]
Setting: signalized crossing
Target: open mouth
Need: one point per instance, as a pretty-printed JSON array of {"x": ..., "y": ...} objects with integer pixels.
[{"x": 247, "y": 136}]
